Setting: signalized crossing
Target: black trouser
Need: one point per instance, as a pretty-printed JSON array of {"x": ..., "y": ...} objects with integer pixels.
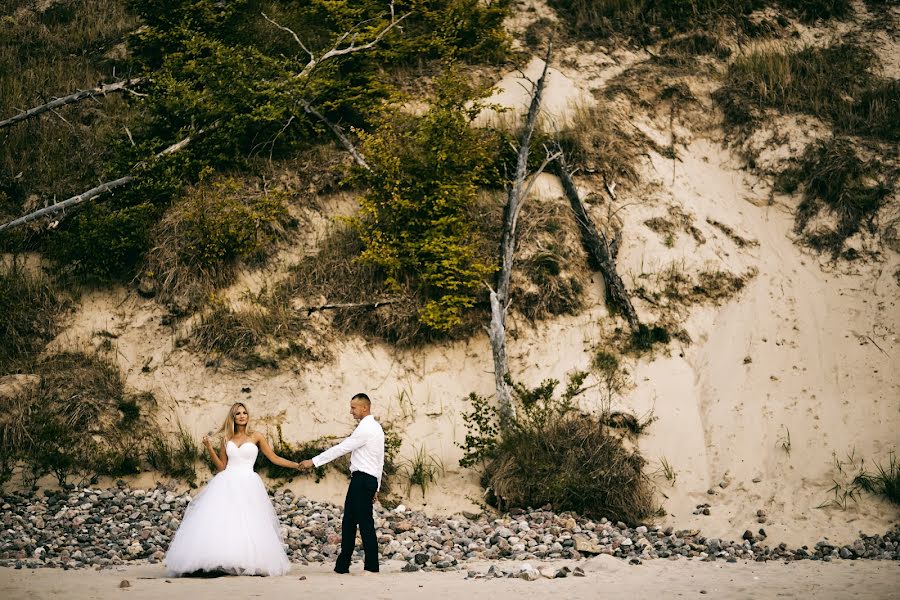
[{"x": 358, "y": 512}]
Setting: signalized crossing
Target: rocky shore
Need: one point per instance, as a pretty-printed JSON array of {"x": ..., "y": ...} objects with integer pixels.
[{"x": 81, "y": 528}]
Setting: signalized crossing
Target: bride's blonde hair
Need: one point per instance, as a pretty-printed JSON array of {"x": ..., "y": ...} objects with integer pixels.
[{"x": 228, "y": 426}]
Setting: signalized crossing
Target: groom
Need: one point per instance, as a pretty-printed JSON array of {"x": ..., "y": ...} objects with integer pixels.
[{"x": 366, "y": 448}]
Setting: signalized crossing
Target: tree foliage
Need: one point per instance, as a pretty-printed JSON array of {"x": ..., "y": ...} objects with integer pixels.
[
  {"x": 424, "y": 177},
  {"x": 233, "y": 80}
]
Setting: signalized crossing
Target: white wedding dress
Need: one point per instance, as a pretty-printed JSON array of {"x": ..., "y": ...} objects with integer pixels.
[{"x": 231, "y": 525}]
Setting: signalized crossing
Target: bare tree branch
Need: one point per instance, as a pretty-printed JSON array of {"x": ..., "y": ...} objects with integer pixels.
[
  {"x": 373, "y": 305},
  {"x": 291, "y": 31},
  {"x": 73, "y": 201},
  {"x": 100, "y": 90},
  {"x": 88, "y": 195},
  {"x": 338, "y": 133},
  {"x": 336, "y": 50}
]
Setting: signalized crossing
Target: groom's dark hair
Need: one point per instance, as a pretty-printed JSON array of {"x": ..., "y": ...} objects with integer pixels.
[{"x": 362, "y": 397}]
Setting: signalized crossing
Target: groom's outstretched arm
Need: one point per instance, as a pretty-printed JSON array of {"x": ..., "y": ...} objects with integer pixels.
[{"x": 356, "y": 440}]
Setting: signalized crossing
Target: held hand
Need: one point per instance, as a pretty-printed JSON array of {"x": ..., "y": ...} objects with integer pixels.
[{"x": 306, "y": 464}]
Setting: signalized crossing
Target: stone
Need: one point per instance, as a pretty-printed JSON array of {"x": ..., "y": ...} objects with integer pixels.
[{"x": 587, "y": 546}]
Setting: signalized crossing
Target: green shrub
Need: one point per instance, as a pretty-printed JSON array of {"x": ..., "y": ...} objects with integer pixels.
[
  {"x": 837, "y": 181},
  {"x": 554, "y": 454},
  {"x": 30, "y": 307},
  {"x": 424, "y": 178}
]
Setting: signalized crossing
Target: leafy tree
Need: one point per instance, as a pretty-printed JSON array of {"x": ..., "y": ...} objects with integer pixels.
[{"x": 424, "y": 177}]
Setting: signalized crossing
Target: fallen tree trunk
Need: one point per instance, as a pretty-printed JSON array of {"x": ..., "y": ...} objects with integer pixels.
[
  {"x": 88, "y": 195},
  {"x": 100, "y": 90},
  {"x": 500, "y": 298},
  {"x": 373, "y": 305},
  {"x": 601, "y": 252}
]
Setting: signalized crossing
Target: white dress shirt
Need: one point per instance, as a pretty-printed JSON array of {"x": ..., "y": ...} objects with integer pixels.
[{"x": 366, "y": 448}]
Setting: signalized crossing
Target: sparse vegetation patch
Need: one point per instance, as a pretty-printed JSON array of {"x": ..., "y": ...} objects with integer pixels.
[
  {"x": 836, "y": 181},
  {"x": 79, "y": 421},
  {"x": 835, "y": 84},
  {"x": 204, "y": 237}
]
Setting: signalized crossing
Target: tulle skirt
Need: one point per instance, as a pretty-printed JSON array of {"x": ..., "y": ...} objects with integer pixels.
[{"x": 230, "y": 526}]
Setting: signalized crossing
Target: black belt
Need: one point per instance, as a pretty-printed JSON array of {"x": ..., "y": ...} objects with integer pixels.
[{"x": 355, "y": 473}]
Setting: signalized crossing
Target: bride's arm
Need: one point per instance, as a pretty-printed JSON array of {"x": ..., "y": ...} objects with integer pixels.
[
  {"x": 281, "y": 462},
  {"x": 221, "y": 459}
]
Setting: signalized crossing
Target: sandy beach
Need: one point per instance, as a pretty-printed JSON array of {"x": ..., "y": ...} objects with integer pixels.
[{"x": 605, "y": 577}]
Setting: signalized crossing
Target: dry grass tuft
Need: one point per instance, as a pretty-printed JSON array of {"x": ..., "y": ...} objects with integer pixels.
[
  {"x": 53, "y": 52},
  {"x": 77, "y": 421},
  {"x": 30, "y": 308},
  {"x": 263, "y": 330},
  {"x": 203, "y": 239},
  {"x": 836, "y": 181},
  {"x": 594, "y": 142}
]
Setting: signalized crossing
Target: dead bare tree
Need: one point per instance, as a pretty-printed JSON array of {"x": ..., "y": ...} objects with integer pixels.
[
  {"x": 100, "y": 90},
  {"x": 500, "y": 297},
  {"x": 601, "y": 252}
]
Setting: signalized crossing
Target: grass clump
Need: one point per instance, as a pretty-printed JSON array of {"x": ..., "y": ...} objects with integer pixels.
[
  {"x": 835, "y": 84},
  {"x": 549, "y": 281},
  {"x": 422, "y": 470},
  {"x": 555, "y": 454},
  {"x": 259, "y": 332},
  {"x": 651, "y": 20},
  {"x": 884, "y": 481},
  {"x": 836, "y": 181},
  {"x": 30, "y": 307},
  {"x": 594, "y": 142},
  {"x": 203, "y": 238},
  {"x": 78, "y": 420},
  {"x": 851, "y": 478},
  {"x": 175, "y": 455}
]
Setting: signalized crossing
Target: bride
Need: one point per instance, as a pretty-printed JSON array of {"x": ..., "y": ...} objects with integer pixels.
[{"x": 231, "y": 525}]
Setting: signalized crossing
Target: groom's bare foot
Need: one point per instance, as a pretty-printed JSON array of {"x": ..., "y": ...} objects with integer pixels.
[{"x": 367, "y": 573}]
